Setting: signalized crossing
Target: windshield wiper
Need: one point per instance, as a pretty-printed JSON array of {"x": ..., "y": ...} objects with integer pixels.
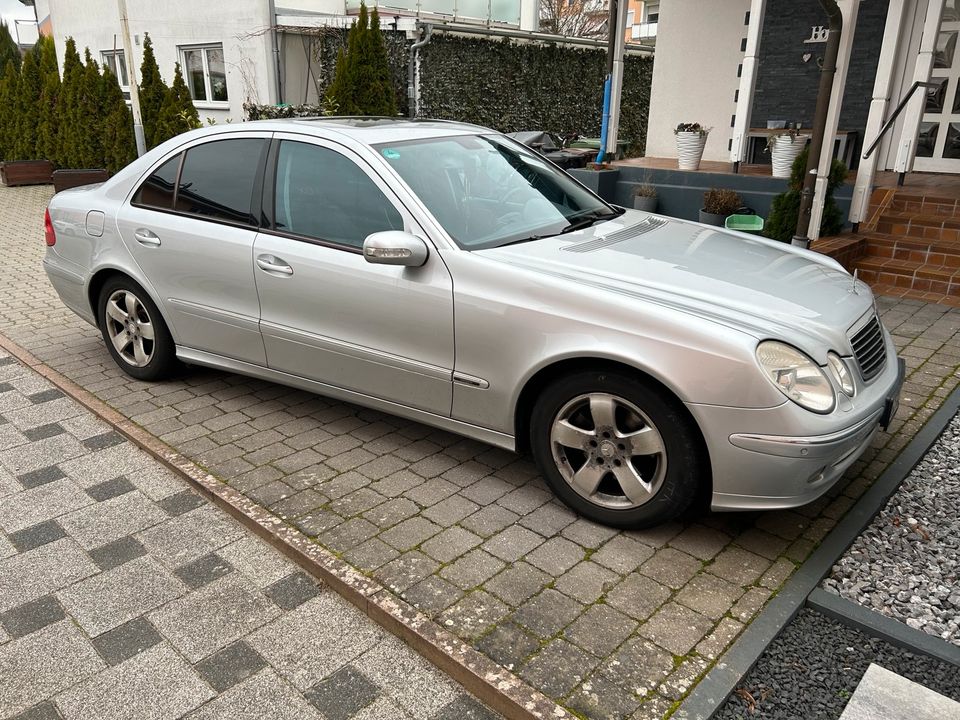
[{"x": 589, "y": 220}]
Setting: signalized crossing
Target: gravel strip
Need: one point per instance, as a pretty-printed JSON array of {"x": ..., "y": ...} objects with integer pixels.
[
  {"x": 811, "y": 670},
  {"x": 906, "y": 564}
]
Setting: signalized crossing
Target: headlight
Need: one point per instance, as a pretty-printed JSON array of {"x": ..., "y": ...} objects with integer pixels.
[
  {"x": 841, "y": 373},
  {"x": 796, "y": 376}
]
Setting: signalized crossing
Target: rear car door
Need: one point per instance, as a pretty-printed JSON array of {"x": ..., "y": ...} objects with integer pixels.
[
  {"x": 191, "y": 226},
  {"x": 326, "y": 313}
]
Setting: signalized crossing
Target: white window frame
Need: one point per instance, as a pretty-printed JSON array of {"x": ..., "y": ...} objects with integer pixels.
[
  {"x": 105, "y": 55},
  {"x": 208, "y": 103},
  {"x": 646, "y": 11}
]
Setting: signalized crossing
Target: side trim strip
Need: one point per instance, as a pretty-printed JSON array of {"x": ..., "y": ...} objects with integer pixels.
[{"x": 216, "y": 314}]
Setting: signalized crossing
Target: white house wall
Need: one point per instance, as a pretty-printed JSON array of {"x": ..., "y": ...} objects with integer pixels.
[
  {"x": 240, "y": 25},
  {"x": 695, "y": 72}
]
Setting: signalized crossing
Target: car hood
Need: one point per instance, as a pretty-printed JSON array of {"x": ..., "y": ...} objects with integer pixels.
[{"x": 762, "y": 287}]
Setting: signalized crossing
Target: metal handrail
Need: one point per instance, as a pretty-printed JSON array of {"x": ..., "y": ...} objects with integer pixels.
[{"x": 893, "y": 118}]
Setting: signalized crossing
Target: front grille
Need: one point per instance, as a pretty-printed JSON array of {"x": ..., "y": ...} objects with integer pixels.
[{"x": 869, "y": 349}]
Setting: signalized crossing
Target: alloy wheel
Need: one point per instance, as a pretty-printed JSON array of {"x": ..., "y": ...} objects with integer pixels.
[{"x": 130, "y": 328}]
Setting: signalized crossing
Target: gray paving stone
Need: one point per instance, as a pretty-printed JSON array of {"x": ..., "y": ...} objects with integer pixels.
[
  {"x": 676, "y": 628},
  {"x": 264, "y": 696},
  {"x": 36, "y": 535},
  {"x": 234, "y": 663},
  {"x": 156, "y": 683},
  {"x": 43, "y": 711},
  {"x": 42, "y": 432},
  {"x": 738, "y": 566},
  {"x": 508, "y": 644},
  {"x": 700, "y": 541},
  {"x": 312, "y": 642},
  {"x": 417, "y": 686},
  {"x": 556, "y": 556},
  {"x": 348, "y": 534},
  {"x": 558, "y": 668},
  {"x": 622, "y": 555},
  {"x": 203, "y": 570},
  {"x": 300, "y": 503},
  {"x": 107, "y": 600},
  {"x": 343, "y": 694},
  {"x": 125, "y": 641},
  {"x": 410, "y": 533},
  {"x": 191, "y": 535},
  {"x": 103, "y": 441},
  {"x": 465, "y": 707},
  {"x": 40, "y": 477},
  {"x": 549, "y": 519},
  {"x": 45, "y": 502},
  {"x": 406, "y": 570},
  {"x": 512, "y": 543},
  {"x": 473, "y": 614},
  {"x": 109, "y": 520},
  {"x": 213, "y": 616},
  {"x": 36, "y": 573},
  {"x": 110, "y": 489},
  {"x": 257, "y": 561},
  {"x": 586, "y": 582},
  {"x": 518, "y": 583},
  {"x": 638, "y": 596},
  {"x": 42, "y": 664},
  {"x": 548, "y": 613},
  {"x": 117, "y": 552},
  {"x": 391, "y": 512},
  {"x": 524, "y": 500},
  {"x": 293, "y": 590},
  {"x": 370, "y": 554},
  {"x": 638, "y": 666},
  {"x": 486, "y": 490},
  {"x": 432, "y": 595},
  {"x": 600, "y": 630},
  {"x": 709, "y": 595},
  {"x": 451, "y": 544},
  {"x": 156, "y": 481},
  {"x": 384, "y": 707},
  {"x": 671, "y": 567},
  {"x": 95, "y": 467},
  {"x": 31, "y": 616},
  {"x": 473, "y": 569},
  {"x": 182, "y": 502},
  {"x": 451, "y": 510}
]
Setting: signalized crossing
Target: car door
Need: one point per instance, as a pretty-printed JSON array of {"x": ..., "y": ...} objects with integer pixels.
[
  {"x": 191, "y": 226},
  {"x": 326, "y": 313}
]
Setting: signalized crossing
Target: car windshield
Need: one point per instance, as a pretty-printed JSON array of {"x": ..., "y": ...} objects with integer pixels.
[{"x": 488, "y": 191}]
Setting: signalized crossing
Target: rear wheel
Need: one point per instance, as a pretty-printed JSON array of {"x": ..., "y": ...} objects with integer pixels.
[
  {"x": 616, "y": 450},
  {"x": 134, "y": 331}
]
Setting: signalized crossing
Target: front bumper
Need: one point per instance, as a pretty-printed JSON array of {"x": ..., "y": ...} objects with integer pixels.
[{"x": 781, "y": 467}]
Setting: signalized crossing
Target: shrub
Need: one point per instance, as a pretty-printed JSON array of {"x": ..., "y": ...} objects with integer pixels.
[
  {"x": 119, "y": 146},
  {"x": 177, "y": 114},
  {"x": 8, "y": 48},
  {"x": 153, "y": 91},
  {"x": 27, "y": 110},
  {"x": 70, "y": 88},
  {"x": 49, "y": 96},
  {"x": 785, "y": 210},
  {"x": 721, "y": 201},
  {"x": 362, "y": 83},
  {"x": 9, "y": 98}
]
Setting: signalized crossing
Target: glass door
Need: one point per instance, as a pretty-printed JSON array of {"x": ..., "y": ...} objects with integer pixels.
[{"x": 938, "y": 141}]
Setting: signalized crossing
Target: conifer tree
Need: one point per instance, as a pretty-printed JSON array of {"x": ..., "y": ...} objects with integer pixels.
[
  {"x": 85, "y": 117},
  {"x": 153, "y": 91},
  {"x": 8, "y": 48},
  {"x": 49, "y": 94},
  {"x": 9, "y": 98},
  {"x": 178, "y": 114},
  {"x": 28, "y": 110},
  {"x": 70, "y": 87},
  {"x": 362, "y": 83},
  {"x": 119, "y": 145}
]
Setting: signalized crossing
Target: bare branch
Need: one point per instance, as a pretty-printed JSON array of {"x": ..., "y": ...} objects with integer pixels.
[{"x": 574, "y": 18}]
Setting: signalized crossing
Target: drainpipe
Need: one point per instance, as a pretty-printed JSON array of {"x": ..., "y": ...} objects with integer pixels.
[
  {"x": 827, "y": 71},
  {"x": 412, "y": 70},
  {"x": 275, "y": 51},
  {"x": 612, "y": 27}
]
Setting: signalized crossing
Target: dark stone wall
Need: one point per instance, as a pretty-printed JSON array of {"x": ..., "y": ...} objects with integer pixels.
[{"x": 787, "y": 85}]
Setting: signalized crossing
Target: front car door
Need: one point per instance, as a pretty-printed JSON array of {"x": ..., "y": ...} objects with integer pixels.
[
  {"x": 326, "y": 313},
  {"x": 190, "y": 226}
]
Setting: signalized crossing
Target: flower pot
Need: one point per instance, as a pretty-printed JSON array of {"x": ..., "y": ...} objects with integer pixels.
[
  {"x": 783, "y": 151},
  {"x": 712, "y": 218},
  {"x": 690, "y": 149},
  {"x": 645, "y": 203},
  {"x": 26, "y": 172},
  {"x": 63, "y": 179},
  {"x": 602, "y": 182}
]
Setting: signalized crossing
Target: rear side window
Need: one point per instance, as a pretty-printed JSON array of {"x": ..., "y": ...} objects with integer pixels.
[
  {"x": 324, "y": 195},
  {"x": 218, "y": 180},
  {"x": 157, "y": 190}
]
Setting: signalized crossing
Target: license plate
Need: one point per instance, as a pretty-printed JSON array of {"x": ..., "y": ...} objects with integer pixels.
[{"x": 892, "y": 404}]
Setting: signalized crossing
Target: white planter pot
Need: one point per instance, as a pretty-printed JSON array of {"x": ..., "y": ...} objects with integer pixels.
[
  {"x": 783, "y": 151},
  {"x": 690, "y": 149}
]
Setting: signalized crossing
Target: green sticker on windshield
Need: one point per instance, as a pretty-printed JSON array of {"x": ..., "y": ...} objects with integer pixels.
[{"x": 391, "y": 154}]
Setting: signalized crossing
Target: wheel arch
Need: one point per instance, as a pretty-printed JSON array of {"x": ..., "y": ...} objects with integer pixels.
[{"x": 100, "y": 277}]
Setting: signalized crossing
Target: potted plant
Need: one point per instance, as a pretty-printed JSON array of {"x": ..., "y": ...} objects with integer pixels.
[
  {"x": 645, "y": 197},
  {"x": 691, "y": 139},
  {"x": 718, "y": 204},
  {"x": 784, "y": 148}
]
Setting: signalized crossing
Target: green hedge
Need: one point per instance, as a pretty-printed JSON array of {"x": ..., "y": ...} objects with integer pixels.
[{"x": 502, "y": 84}]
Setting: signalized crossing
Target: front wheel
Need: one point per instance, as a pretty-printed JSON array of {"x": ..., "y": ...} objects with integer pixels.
[
  {"x": 134, "y": 331},
  {"x": 616, "y": 450}
]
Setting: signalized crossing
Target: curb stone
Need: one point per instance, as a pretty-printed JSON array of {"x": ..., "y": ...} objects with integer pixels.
[{"x": 494, "y": 685}]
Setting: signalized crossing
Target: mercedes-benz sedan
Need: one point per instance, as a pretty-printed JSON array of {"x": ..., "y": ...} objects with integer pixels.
[{"x": 448, "y": 274}]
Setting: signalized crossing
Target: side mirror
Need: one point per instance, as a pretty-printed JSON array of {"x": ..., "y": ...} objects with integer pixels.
[{"x": 395, "y": 247}]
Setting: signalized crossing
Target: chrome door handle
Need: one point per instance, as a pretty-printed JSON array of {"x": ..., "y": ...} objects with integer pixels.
[
  {"x": 273, "y": 265},
  {"x": 146, "y": 237}
]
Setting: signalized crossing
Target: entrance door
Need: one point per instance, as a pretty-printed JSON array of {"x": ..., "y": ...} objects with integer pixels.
[{"x": 938, "y": 141}]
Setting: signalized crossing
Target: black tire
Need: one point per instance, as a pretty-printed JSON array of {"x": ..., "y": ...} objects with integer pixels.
[
  {"x": 162, "y": 362},
  {"x": 683, "y": 470}
]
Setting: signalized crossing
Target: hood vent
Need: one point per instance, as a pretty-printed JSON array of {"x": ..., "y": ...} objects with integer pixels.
[{"x": 644, "y": 226}]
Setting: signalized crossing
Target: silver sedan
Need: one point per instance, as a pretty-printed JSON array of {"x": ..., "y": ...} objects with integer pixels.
[{"x": 444, "y": 273}]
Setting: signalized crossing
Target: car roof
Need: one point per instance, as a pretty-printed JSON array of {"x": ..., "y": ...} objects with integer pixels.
[{"x": 365, "y": 130}]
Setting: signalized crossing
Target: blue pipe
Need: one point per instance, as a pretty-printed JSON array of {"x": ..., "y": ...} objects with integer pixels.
[{"x": 606, "y": 118}]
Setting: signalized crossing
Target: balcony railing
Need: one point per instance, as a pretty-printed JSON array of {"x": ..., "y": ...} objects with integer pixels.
[{"x": 505, "y": 12}]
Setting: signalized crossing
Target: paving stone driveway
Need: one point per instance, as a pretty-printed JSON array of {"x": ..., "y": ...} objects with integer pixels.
[
  {"x": 123, "y": 594},
  {"x": 612, "y": 624}
]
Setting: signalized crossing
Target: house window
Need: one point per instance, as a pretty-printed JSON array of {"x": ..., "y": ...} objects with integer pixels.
[
  {"x": 115, "y": 60},
  {"x": 630, "y": 17},
  {"x": 651, "y": 12},
  {"x": 205, "y": 72}
]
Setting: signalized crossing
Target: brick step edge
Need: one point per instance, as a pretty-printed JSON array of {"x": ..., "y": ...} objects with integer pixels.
[{"x": 493, "y": 684}]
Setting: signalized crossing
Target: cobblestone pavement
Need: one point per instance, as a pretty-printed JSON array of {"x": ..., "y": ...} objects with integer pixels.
[
  {"x": 612, "y": 624},
  {"x": 123, "y": 594}
]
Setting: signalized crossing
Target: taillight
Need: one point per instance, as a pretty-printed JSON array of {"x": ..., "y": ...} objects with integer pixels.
[{"x": 48, "y": 234}]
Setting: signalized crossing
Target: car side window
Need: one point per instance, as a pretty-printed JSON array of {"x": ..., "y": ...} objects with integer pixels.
[
  {"x": 218, "y": 179},
  {"x": 157, "y": 190},
  {"x": 323, "y": 195}
]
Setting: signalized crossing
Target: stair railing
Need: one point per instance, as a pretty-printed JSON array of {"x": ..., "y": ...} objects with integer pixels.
[{"x": 893, "y": 118}]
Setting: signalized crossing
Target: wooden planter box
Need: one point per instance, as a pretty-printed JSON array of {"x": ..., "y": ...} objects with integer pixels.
[
  {"x": 63, "y": 179},
  {"x": 26, "y": 172}
]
